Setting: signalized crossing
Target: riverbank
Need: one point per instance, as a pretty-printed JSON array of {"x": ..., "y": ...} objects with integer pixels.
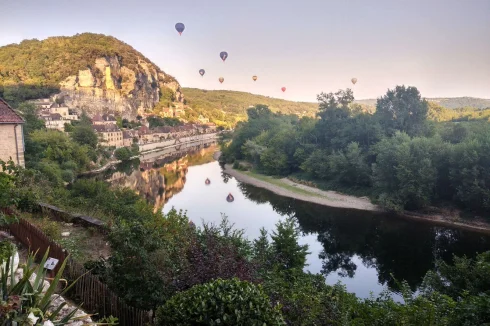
[{"x": 288, "y": 188}]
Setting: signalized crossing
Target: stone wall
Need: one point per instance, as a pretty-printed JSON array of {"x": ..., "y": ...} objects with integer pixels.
[
  {"x": 8, "y": 135},
  {"x": 173, "y": 142}
]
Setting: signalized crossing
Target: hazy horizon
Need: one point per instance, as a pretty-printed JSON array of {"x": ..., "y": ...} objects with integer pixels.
[{"x": 440, "y": 46}]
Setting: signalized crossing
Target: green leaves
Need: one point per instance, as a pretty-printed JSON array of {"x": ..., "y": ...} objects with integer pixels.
[{"x": 220, "y": 302}]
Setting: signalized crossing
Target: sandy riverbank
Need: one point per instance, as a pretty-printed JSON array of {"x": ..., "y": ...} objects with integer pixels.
[{"x": 288, "y": 188}]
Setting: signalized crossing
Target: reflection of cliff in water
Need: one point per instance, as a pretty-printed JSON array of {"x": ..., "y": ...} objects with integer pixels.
[
  {"x": 406, "y": 249},
  {"x": 161, "y": 177}
]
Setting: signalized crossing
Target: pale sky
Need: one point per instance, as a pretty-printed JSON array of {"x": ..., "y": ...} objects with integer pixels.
[{"x": 440, "y": 46}]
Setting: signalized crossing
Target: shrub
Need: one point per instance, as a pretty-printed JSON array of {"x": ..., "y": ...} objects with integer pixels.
[
  {"x": 223, "y": 302},
  {"x": 122, "y": 154}
]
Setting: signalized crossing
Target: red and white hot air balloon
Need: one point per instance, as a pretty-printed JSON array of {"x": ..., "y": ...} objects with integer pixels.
[{"x": 221, "y": 80}]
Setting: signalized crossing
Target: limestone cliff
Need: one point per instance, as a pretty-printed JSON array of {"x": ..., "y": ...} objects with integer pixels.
[
  {"x": 93, "y": 72},
  {"x": 110, "y": 87}
]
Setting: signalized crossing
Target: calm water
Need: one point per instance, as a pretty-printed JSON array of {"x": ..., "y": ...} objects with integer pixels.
[{"x": 362, "y": 250}]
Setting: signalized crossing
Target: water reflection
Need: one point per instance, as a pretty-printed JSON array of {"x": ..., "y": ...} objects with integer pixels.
[
  {"x": 396, "y": 248},
  {"x": 366, "y": 251},
  {"x": 161, "y": 176}
]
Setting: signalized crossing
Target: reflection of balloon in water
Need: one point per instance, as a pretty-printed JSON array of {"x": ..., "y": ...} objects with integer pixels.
[
  {"x": 221, "y": 80},
  {"x": 254, "y": 78},
  {"x": 180, "y": 27},
  {"x": 223, "y": 55},
  {"x": 202, "y": 72},
  {"x": 283, "y": 89},
  {"x": 354, "y": 80}
]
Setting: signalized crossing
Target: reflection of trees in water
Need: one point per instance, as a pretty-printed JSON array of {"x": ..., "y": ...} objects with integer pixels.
[
  {"x": 159, "y": 179},
  {"x": 403, "y": 249}
]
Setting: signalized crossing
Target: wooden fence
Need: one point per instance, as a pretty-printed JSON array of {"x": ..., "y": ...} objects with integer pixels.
[{"x": 95, "y": 296}]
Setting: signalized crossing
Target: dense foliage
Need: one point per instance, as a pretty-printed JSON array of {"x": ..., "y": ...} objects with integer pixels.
[
  {"x": 396, "y": 155},
  {"x": 220, "y": 302}
]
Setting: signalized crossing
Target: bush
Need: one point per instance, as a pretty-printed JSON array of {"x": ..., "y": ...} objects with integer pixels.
[
  {"x": 122, "y": 154},
  {"x": 223, "y": 302},
  {"x": 50, "y": 228}
]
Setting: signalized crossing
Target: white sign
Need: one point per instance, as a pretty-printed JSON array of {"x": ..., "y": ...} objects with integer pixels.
[{"x": 51, "y": 263}]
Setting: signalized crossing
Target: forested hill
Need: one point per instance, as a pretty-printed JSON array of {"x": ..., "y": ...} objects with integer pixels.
[
  {"x": 228, "y": 107},
  {"x": 237, "y": 103},
  {"x": 447, "y": 102}
]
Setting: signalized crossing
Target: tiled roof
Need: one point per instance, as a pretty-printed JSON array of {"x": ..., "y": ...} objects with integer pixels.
[
  {"x": 8, "y": 115},
  {"x": 106, "y": 128}
]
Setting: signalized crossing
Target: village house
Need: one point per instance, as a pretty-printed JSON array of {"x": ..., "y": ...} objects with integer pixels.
[
  {"x": 11, "y": 135},
  {"x": 64, "y": 111},
  {"x": 54, "y": 121},
  {"x": 106, "y": 119},
  {"x": 109, "y": 135},
  {"x": 42, "y": 103},
  {"x": 129, "y": 137}
]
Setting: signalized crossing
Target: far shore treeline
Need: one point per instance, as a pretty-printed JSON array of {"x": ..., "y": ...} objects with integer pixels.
[{"x": 405, "y": 155}]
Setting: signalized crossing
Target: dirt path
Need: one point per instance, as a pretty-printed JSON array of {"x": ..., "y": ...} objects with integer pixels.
[{"x": 288, "y": 188}]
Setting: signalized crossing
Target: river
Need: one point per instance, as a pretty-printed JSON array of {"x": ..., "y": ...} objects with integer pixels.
[{"x": 362, "y": 250}]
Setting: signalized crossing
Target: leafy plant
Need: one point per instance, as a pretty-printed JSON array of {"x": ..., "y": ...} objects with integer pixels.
[
  {"x": 220, "y": 302},
  {"x": 26, "y": 301}
]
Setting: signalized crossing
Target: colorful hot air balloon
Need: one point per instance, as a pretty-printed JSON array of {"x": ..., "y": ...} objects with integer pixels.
[
  {"x": 221, "y": 80},
  {"x": 354, "y": 80},
  {"x": 180, "y": 28},
  {"x": 202, "y": 72},
  {"x": 283, "y": 89},
  {"x": 254, "y": 78},
  {"x": 223, "y": 55}
]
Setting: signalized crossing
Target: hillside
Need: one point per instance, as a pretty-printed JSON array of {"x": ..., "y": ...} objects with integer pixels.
[
  {"x": 447, "y": 102},
  {"x": 94, "y": 72},
  {"x": 231, "y": 106}
]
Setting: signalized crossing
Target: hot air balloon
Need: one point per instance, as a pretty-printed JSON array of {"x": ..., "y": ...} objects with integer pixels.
[
  {"x": 230, "y": 198},
  {"x": 283, "y": 89},
  {"x": 223, "y": 55},
  {"x": 254, "y": 78},
  {"x": 202, "y": 72},
  {"x": 180, "y": 28},
  {"x": 221, "y": 80},
  {"x": 354, "y": 80}
]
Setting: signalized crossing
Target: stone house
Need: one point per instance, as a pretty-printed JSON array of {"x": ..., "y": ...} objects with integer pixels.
[
  {"x": 11, "y": 135},
  {"x": 128, "y": 137},
  {"x": 109, "y": 135},
  {"x": 55, "y": 121},
  {"x": 106, "y": 119},
  {"x": 64, "y": 111}
]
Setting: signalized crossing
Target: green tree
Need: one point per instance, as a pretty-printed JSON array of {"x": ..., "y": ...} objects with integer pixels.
[
  {"x": 288, "y": 253},
  {"x": 84, "y": 135},
  {"x": 123, "y": 154},
  {"x": 402, "y": 109}
]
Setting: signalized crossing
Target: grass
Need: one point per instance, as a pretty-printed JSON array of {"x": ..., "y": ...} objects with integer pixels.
[{"x": 278, "y": 182}]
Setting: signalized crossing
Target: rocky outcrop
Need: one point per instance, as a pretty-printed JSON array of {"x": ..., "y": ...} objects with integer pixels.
[{"x": 111, "y": 87}]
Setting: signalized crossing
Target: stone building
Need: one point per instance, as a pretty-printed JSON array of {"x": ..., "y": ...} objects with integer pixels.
[
  {"x": 106, "y": 119},
  {"x": 54, "y": 121},
  {"x": 109, "y": 135},
  {"x": 11, "y": 135}
]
